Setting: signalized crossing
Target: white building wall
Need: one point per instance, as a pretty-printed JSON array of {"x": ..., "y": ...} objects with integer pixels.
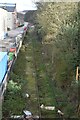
[
  {"x": 3, "y": 22},
  {"x": 11, "y": 20}
]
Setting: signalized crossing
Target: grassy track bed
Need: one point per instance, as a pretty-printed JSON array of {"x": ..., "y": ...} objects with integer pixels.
[{"x": 45, "y": 89}]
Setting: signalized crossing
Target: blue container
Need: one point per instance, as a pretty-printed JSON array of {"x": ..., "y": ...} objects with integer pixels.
[{"x": 3, "y": 65}]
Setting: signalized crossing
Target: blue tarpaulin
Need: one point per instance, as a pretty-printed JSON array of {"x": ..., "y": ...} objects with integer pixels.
[{"x": 3, "y": 65}]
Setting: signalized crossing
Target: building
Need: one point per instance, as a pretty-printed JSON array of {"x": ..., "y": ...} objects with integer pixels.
[
  {"x": 3, "y": 23},
  {"x": 20, "y": 18},
  {"x": 11, "y": 14}
]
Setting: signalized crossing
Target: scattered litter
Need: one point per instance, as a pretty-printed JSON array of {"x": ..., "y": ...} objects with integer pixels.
[
  {"x": 43, "y": 53},
  {"x": 27, "y": 95},
  {"x": 42, "y": 106},
  {"x": 61, "y": 113},
  {"x": 48, "y": 107},
  {"x": 51, "y": 108},
  {"x": 17, "y": 116},
  {"x": 27, "y": 114}
]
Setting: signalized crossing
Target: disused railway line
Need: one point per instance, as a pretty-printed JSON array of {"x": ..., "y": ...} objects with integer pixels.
[
  {"x": 50, "y": 82},
  {"x": 37, "y": 90}
]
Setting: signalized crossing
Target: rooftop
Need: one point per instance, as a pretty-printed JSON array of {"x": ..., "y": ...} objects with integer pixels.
[{"x": 10, "y": 7}]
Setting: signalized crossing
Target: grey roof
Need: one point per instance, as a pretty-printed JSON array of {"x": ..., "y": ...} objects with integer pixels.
[
  {"x": 10, "y": 8},
  {"x": 7, "y": 6}
]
